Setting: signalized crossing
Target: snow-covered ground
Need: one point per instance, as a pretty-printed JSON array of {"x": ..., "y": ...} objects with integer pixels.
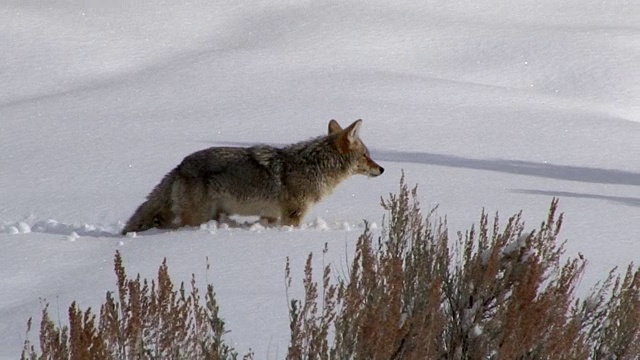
[{"x": 494, "y": 104}]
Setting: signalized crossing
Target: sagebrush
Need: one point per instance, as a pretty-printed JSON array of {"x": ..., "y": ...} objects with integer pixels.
[
  {"x": 144, "y": 320},
  {"x": 491, "y": 293}
]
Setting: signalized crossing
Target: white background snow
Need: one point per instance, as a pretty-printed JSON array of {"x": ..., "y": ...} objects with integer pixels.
[{"x": 494, "y": 104}]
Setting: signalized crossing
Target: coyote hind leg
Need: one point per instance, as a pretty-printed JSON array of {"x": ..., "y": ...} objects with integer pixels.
[
  {"x": 294, "y": 216},
  {"x": 191, "y": 205}
]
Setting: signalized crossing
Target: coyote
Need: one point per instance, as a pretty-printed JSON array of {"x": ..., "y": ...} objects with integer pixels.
[{"x": 277, "y": 184}]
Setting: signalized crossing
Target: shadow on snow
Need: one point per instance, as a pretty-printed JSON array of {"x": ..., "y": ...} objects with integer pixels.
[
  {"x": 629, "y": 201},
  {"x": 517, "y": 167}
]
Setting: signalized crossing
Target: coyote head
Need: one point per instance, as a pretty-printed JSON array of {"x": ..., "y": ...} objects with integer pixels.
[{"x": 348, "y": 143}]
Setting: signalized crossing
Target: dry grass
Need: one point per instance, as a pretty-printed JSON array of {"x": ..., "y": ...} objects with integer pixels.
[
  {"x": 497, "y": 291},
  {"x": 146, "y": 321},
  {"x": 494, "y": 292}
]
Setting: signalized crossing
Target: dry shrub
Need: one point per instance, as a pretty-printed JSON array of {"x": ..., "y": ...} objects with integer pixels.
[
  {"x": 146, "y": 321},
  {"x": 493, "y": 293}
]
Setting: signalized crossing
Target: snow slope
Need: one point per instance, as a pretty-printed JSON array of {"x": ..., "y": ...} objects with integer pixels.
[{"x": 492, "y": 104}]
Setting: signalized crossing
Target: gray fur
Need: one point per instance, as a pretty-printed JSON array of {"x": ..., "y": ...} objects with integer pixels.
[{"x": 277, "y": 184}]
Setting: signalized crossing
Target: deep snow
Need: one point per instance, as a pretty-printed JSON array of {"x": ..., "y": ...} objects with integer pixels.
[{"x": 492, "y": 104}]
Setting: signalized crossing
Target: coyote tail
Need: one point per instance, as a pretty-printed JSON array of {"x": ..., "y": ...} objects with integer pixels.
[{"x": 156, "y": 210}]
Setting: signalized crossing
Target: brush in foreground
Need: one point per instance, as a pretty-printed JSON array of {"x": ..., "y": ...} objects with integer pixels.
[
  {"x": 141, "y": 320},
  {"x": 495, "y": 292}
]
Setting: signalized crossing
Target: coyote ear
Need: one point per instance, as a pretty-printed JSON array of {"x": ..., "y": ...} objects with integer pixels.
[
  {"x": 353, "y": 131},
  {"x": 334, "y": 127},
  {"x": 348, "y": 138}
]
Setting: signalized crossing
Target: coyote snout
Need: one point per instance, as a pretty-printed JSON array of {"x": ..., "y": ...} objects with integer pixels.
[
  {"x": 369, "y": 167},
  {"x": 277, "y": 184}
]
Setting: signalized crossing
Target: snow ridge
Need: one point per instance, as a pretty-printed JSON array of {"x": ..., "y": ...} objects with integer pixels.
[
  {"x": 51, "y": 226},
  {"x": 74, "y": 231},
  {"x": 318, "y": 224}
]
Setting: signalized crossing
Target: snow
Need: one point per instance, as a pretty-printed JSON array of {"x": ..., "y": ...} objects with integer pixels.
[{"x": 493, "y": 104}]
